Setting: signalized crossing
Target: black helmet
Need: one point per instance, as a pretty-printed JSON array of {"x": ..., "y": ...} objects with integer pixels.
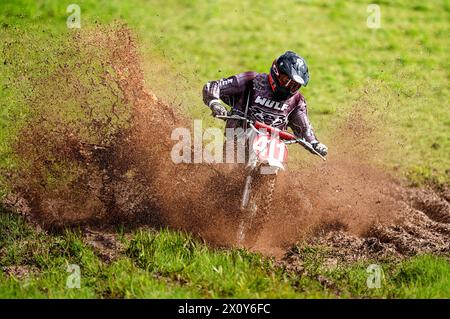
[{"x": 288, "y": 73}]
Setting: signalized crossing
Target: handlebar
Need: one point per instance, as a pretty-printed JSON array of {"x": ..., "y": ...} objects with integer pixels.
[{"x": 287, "y": 137}]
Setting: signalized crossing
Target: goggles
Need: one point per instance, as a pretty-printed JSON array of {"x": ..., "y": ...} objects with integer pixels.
[{"x": 285, "y": 81}]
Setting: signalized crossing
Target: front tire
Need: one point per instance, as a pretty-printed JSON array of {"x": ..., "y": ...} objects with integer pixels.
[{"x": 255, "y": 207}]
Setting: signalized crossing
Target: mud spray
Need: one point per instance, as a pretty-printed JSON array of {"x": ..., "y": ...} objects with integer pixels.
[{"x": 96, "y": 152}]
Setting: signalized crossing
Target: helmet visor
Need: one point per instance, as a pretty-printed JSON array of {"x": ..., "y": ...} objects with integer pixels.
[{"x": 288, "y": 83}]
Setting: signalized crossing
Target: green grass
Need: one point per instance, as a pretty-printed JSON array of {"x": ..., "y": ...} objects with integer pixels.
[
  {"x": 169, "y": 264},
  {"x": 185, "y": 43}
]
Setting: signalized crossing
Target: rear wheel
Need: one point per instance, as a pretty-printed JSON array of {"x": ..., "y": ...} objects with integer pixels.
[{"x": 255, "y": 207}]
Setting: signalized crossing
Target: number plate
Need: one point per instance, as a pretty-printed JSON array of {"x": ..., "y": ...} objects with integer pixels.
[{"x": 269, "y": 148}]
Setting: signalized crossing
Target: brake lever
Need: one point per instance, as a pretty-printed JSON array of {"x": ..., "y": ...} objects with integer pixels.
[
  {"x": 307, "y": 146},
  {"x": 231, "y": 117}
]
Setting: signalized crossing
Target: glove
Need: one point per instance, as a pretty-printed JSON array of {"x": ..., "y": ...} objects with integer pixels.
[
  {"x": 217, "y": 108},
  {"x": 322, "y": 149}
]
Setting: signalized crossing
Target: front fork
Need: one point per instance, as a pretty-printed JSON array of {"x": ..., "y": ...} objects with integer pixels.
[{"x": 246, "y": 193}]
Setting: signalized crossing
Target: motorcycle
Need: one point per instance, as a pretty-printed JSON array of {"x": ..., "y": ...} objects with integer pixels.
[{"x": 267, "y": 152}]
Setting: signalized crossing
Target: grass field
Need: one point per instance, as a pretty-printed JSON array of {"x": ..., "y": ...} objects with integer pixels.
[
  {"x": 398, "y": 73},
  {"x": 168, "y": 264}
]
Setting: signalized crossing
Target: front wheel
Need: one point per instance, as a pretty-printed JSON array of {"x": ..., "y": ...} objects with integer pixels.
[{"x": 255, "y": 206}]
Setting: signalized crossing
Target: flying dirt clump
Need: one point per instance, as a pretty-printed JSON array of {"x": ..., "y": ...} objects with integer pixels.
[
  {"x": 95, "y": 150},
  {"x": 73, "y": 162}
]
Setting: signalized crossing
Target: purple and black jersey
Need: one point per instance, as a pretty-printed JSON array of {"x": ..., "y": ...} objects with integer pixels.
[{"x": 254, "y": 88}]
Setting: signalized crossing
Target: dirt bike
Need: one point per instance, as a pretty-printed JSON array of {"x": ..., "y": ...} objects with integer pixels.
[{"x": 267, "y": 151}]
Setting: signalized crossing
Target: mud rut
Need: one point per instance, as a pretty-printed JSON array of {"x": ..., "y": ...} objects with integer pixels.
[{"x": 127, "y": 178}]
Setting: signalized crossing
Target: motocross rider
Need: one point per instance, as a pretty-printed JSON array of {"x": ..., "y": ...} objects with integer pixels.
[{"x": 272, "y": 98}]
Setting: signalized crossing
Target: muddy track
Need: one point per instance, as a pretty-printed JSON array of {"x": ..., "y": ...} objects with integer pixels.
[
  {"x": 112, "y": 166},
  {"x": 424, "y": 230},
  {"x": 105, "y": 244}
]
